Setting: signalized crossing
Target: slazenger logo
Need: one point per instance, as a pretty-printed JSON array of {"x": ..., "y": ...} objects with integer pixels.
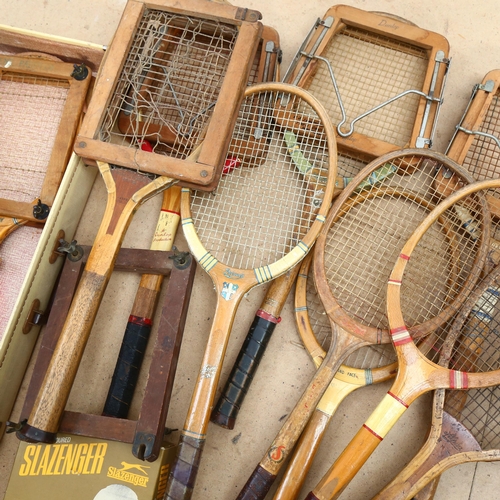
[{"x": 125, "y": 475}]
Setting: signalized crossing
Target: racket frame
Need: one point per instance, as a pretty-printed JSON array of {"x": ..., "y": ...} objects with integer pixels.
[
  {"x": 183, "y": 473},
  {"x": 304, "y": 66},
  {"x": 204, "y": 172},
  {"x": 66, "y": 131}
]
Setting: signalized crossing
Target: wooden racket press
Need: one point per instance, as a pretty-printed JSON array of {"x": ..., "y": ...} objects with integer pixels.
[{"x": 145, "y": 434}]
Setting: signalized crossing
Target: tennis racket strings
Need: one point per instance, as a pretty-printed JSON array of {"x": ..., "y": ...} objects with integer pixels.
[{"x": 170, "y": 82}]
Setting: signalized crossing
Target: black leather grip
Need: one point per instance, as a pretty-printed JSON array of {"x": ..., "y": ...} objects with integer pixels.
[
  {"x": 243, "y": 372},
  {"x": 124, "y": 380}
]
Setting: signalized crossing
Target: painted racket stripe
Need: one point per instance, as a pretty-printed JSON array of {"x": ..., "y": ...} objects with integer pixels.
[
  {"x": 385, "y": 415},
  {"x": 400, "y": 336},
  {"x": 139, "y": 321},
  {"x": 268, "y": 317},
  {"x": 458, "y": 380},
  {"x": 263, "y": 274},
  {"x": 208, "y": 261}
]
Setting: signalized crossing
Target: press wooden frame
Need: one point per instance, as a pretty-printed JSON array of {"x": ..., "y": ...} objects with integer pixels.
[
  {"x": 66, "y": 131},
  {"x": 474, "y": 117},
  {"x": 386, "y": 25},
  {"x": 204, "y": 172}
]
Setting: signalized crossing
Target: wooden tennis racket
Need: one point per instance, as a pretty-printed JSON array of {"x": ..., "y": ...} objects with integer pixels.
[
  {"x": 226, "y": 410},
  {"x": 260, "y": 222},
  {"x": 127, "y": 190},
  {"x": 353, "y": 259},
  {"x": 366, "y": 366},
  {"x": 475, "y": 144},
  {"x": 380, "y": 77},
  {"x": 464, "y": 423},
  {"x": 476, "y": 141},
  {"x": 417, "y": 374},
  {"x": 139, "y": 325}
]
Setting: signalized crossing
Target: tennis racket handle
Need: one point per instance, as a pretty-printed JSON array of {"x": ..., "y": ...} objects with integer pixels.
[
  {"x": 258, "y": 485},
  {"x": 183, "y": 474},
  {"x": 241, "y": 376},
  {"x": 124, "y": 380},
  {"x": 346, "y": 466},
  {"x": 303, "y": 456}
]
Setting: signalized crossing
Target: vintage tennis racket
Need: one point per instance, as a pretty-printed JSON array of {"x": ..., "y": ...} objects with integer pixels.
[
  {"x": 353, "y": 259},
  {"x": 475, "y": 144},
  {"x": 138, "y": 328},
  {"x": 260, "y": 222},
  {"x": 174, "y": 74},
  {"x": 366, "y": 366},
  {"x": 127, "y": 190},
  {"x": 380, "y": 77},
  {"x": 225, "y": 412},
  {"x": 29, "y": 84},
  {"x": 140, "y": 322},
  {"x": 417, "y": 374},
  {"x": 464, "y": 423}
]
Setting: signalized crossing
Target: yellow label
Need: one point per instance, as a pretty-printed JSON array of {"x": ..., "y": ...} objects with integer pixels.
[
  {"x": 128, "y": 475},
  {"x": 63, "y": 459}
]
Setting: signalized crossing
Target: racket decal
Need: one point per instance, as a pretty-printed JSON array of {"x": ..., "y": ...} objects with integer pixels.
[
  {"x": 228, "y": 290},
  {"x": 277, "y": 454}
]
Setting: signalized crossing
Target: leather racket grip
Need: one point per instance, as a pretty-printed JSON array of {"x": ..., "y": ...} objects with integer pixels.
[
  {"x": 311, "y": 496},
  {"x": 241, "y": 376},
  {"x": 183, "y": 474},
  {"x": 258, "y": 485},
  {"x": 128, "y": 365}
]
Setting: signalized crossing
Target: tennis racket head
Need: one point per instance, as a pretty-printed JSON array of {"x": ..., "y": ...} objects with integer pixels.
[
  {"x": 472, "y": 346},
  {"x": 364, "y": 232},
  {"x": 265, "y": 215},
  {"x": 475, "y": 143},
  {"x": 374, "y": 57},
  {"x": 463, "y": 422},
  {"x": 173, "y": 76},
  {"x": 369, "y": 364},
  {"x": 472, "y": 249}
]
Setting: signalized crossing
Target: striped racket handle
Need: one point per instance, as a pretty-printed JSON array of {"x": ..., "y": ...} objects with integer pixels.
[
  {"x": 227, "y": 407},
  {"x": 241, "y": 376},
  {"x": 185, "y": 469},
  {"x": 138, "y": 329},
  {"x": 258, "y": 485}
]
